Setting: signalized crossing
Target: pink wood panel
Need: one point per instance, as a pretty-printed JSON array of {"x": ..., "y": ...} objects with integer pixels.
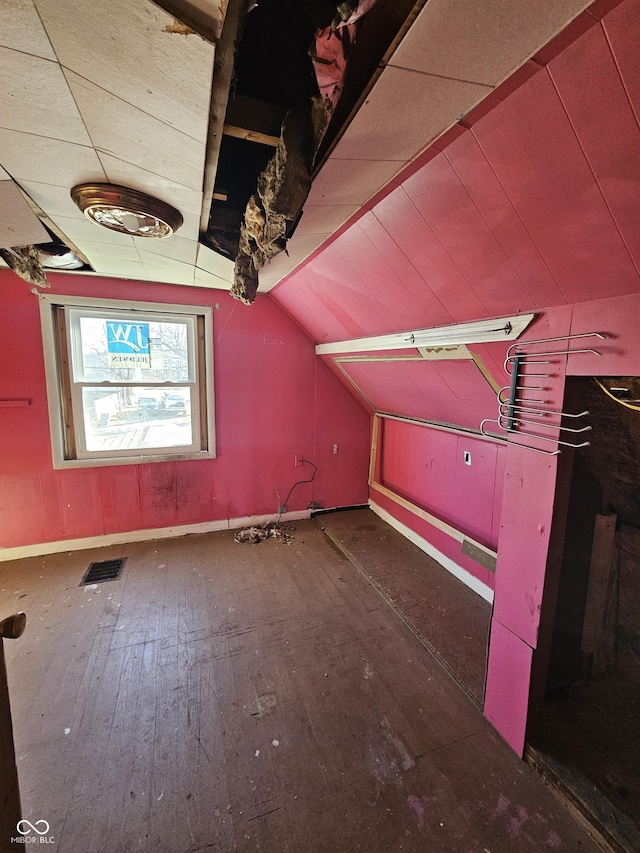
[
  {"x": 622, "y": 27},
  {"x": 484, "y": 187},
  {"x": 426, "y": 311},
  {"x": 453, "y": 392},
  {"x": 427, "y": 467},
  {"x": 527, "y": 511},
  {"x": 506, "y": 700},
  {"x": 619, "y": 319},
  {"x": 272, "y": 403},
  {"x": 440, "y": 540},
  {"x": 530, "y": 143},
  {"x": 449, "y": 210},
  {"x": 338, "y": 422},
  {"x": 438, "y": 269},
  {"x": 401, "y": 306},
  {"x": 597, "y": 103}
]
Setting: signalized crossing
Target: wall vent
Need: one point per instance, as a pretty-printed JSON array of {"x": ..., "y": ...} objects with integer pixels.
[{"x": 107, "y": 570}]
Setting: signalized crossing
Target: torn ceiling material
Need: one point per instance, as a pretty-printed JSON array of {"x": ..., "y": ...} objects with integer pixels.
[
  {"x": 282, "y": 190},
  {"x": 288, "y": 76}
]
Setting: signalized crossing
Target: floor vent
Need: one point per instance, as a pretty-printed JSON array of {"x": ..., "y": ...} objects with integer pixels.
[{"x": 107, "y": 570}]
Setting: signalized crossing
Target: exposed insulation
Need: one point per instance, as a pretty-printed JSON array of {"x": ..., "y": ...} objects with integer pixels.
[
  {"x": 283, "y": 187},
  {"x": 25, "y": 262}
]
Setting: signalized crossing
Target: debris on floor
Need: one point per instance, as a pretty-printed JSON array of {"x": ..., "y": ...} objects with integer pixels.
[{"x": 253, "y": 535}]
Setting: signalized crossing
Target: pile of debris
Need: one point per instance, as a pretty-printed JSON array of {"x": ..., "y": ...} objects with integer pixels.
[{"x": 253, "y": 535}]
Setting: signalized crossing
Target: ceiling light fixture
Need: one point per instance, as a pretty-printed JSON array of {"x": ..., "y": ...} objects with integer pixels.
[{"x": 127, "y": 211}]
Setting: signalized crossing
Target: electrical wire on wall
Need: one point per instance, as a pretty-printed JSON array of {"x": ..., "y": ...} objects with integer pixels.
[
  {"x": 253, "y": 535},
  {"x": 617, "y": 399},
  {"x": 283, "y": 507}
]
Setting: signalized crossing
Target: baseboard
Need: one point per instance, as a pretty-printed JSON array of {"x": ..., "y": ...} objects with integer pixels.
[
  {"x": 41, "y": 548},
  {"x": 446, "y": 562}
]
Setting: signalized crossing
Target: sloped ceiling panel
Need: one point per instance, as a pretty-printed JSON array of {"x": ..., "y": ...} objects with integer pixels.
[
  {"x": 533, "y": 205},
  {"x": 446, "y": 392}
]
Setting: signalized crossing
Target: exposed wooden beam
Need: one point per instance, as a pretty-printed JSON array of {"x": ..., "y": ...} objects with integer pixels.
[
  {"x": 250, "y": 135},
  {"x": 191, "y": 19},
  {"x": 222, "y": 75}
]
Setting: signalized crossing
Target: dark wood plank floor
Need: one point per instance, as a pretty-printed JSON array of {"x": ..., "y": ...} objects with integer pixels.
[
  {"x": 226, "y": 697},
  {"x": 450, "y": 619}
]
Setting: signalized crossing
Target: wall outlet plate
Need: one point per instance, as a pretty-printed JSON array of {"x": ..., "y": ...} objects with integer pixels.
[{"x": 467, "y": 457}]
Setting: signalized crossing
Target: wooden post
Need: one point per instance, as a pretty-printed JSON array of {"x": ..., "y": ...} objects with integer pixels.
[
  {"x": 10, "y": 811},
  {"x": 601, "y": 612}
]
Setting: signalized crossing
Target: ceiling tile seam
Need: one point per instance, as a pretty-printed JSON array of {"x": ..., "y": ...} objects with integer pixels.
[
  {"x": 42, "y": 136},
  {"x": 129, "y": 104},
  {"x": 595, "y": 177},
  {"x": 100, "y": 151},
  {"x": 448, "y": 254},
  {"x": 445, "y": 76},
  {"x": 490, "y": 229},
  {"x": 374, "y": 302},
  {"x": 397, "y": 277},
  {"x": 44, "y": 29},
  {"x": 54, "y": 138},
  {"x": 410, "y": 262},
  {"x": 148, "y": 172},
  {"x": 31, "y": 55},
  {"x": 517, "y": 212},
  {"x": 619, "y": 70}
]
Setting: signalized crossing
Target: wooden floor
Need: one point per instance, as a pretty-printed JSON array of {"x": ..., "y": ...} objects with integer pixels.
[
  {"x": 448, "y": 618},
  {"x": 227, "y": 697}
]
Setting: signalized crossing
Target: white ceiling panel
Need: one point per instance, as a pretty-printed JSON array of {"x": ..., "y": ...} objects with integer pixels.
[
  {"x": 166, "y": 269},
  {"x": 21, "y": 29},
  {"x": 99, "y": 252},
  {"x": 304, "y": 244},
  {"x": 136, "y": 137},
  {"x": 79, "y": 230},
  {"x": 351, "y": 181},
  {"x": 174, "y": 247},
  {"x": 481, "y": 41},
  {"x": 190, "y": 228},
  {"x": 48, "y": 161},
  {"x": 56, "y": 201},
  {"x": 19, "y": 226},
  {"x": 35, "y": 98},
  {"x": 3, "y": 175},
  {"x": 104, "y": 43},
  {"x": 207, "y": 279},
  {"x": 408, "y": 110},
  {"x": 185, "y": 199},
  {"x": 112, "y": 266},
  {"x": 216, "y": 264},
  {"x": 319, "y": 218}
]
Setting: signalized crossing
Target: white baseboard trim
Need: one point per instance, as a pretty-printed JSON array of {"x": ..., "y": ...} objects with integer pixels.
[
  {"x": 42, "y": 548},
  {"x": 446, "y": 562}
]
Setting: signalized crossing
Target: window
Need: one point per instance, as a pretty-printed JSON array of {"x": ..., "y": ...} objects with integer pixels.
[{"x": 127, "y": 380}]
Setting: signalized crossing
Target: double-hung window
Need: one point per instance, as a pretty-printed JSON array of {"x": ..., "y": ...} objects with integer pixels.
[{"x": 127, "y": 381}]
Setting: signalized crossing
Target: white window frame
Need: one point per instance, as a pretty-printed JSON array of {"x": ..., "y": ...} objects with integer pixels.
[{"x": 64, "y": 391}]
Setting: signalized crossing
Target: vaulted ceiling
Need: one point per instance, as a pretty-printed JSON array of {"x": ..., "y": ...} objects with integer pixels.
[{"x": 128, "y": 93}]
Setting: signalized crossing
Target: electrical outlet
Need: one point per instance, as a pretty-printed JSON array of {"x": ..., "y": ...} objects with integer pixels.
[
  {"x": 467, "y": 457},
  {"x": 335, "y": 449}
]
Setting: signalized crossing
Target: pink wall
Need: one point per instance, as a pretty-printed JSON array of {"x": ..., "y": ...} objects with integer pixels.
[
  {"x": 528, "y": 204},
  {"x": 274, "y": 399},
  {"x": 427, "y": 467}
]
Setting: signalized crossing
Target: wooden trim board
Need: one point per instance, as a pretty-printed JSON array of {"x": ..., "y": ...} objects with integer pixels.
[
  {"x": 446, "y": 562},
  {"x": 41, "y": 548}
]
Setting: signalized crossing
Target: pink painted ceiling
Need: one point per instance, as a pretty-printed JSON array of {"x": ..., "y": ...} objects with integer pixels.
[
  {"x": 533, "y": 203},
  {"x": 447, "y": 392}
]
